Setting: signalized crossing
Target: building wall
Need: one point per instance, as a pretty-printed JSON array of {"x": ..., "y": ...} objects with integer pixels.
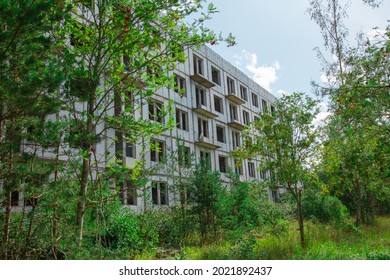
[{"x": 188, "y": 104}]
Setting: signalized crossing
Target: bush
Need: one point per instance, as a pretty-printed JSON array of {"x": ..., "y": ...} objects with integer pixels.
[
  {"x": 240, "y": 209},
  {"x": 323, "y": 208},
  {"x": 132, "y": 232},
  {"x": 174, "y": 226}
]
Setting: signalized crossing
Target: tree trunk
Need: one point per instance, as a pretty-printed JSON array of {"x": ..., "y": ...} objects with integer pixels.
[
  {"x": 83, "y": 195},
  {"x": 29, "y": 234},
  {"x": 300, "y": 219},
  {"x": 7, "y": 224},
  {"x": 86, "y": 166},
  {"x": 358, "y": 205}
]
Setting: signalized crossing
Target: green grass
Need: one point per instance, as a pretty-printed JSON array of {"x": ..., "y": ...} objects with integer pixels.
[{"x": 324, "y": 242}]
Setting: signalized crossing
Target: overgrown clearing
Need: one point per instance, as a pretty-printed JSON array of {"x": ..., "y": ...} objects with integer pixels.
[{"x": 324, "y": 242}]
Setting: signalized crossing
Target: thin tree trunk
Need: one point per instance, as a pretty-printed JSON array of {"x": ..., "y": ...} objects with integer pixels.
[
  {"x": 338, "y": 42},
  {"x": 29, "y": 234},
  {"x": 358, "y": 204},
  {"x": 86, "y": 167},
  {"x": 300, "y": 219},
  {"x": 7, "y": 224},
  {"x": 55, "y": 218},
  {"x": 81, "y": 206}
]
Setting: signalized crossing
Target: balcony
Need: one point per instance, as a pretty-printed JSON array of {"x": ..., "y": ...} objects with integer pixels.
[
  {"x": 205, "y": 111},
  {"x": 234, "y": 98},
  {"x": 200, "y": 79},
  {"x": 236, "y": 124},
  {"x": 206, "y": 143}
]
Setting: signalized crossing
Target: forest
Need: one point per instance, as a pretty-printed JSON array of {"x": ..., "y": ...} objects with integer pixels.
[{"x": 66, "y": 71}]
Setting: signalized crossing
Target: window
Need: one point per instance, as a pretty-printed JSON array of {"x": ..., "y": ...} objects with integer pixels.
[
  {"x": 159, "y": 193},
  {"x": 216, "y": 76},
  {"x": 128, "y": 193},
  {"x": 157, "y": 150},
  {"x": 245, "y": 117},
  {"x": 222, "y": 164},
  {"x": 155, "y": 111},
  {"x": 264, "y": 105},
  {"x": 184, "y": 155},
  {"x": 200, "y": 96},
  {"x": 236, "y": 139},
  {"x": 233, "y": 112},
  {"x": 198, "y": 66},
  {"x": 181, "y": 119},
  {"x": 237, "y": 168},
  {"x": 275, "y": 195},
  {"x": 244, "y": 92},
  {"x": 205, "y": 156},
  {"x": 130, "y": 150},
  {"x": 180, "y": 85},
  {"x": 230, "y": 86},
  {"x": 220, "y": 134},
  {"x": 251, "y": 169},
  {"x": 203, "y": 128},
  {"x": 15, "y": 198},
  {"x": 32, "y": 201},
  {"x": 272, "y": 109},
  {"x": 218, "y": 105},
  {"x": 255, "y": 100},
  {"x": 263, "y": 174}
]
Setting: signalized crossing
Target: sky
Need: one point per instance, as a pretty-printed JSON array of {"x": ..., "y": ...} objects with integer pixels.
[{"x": 276, "y": 38}]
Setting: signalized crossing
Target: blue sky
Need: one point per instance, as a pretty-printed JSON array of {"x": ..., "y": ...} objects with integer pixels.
[{"x": 275, "y": 39}]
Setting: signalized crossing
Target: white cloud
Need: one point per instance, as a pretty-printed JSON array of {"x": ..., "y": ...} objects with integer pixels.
[
  {"x": 281, "y": 93},
  {"x": 320, "y": 118},
  {"x": 374, "y": 33},
  {"x": 263, "y": 75}
]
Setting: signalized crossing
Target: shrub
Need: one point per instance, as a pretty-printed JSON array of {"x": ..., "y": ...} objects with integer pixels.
[
  {"x": 174, "y": 226},
  {"x": 132, "y": 232},
  {"x": 323, "y": 208}
]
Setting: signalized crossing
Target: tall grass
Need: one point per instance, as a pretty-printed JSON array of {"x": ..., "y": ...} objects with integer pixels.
[{"x": 324, "y": 242}]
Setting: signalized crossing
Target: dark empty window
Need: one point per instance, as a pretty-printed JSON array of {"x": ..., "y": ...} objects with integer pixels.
[
  {"x": 216, "y": 76},
  {"x": 157, "y": 150},
  {"x": 220, "y": 134},
  {"x": 130, "y": 150},
  {"x": 156, "y": 111},
  {"x": 218, "y": 105},
  {"x": 251, "y": 170},
  {"x": 180, "y": 85},
  {"x": 198, "y": 65},
  {"x": 181, "y": 119},
  {"x": 264, "y": 105},
  {"x": 244, "y": 93},
  {"x": 203, "y": 128},
  {"x": 222, "y": 164},
  {"x": 159, "y": 193},
  {"x": 255, "y": 100},
  {"x": 230, "y": 86}
]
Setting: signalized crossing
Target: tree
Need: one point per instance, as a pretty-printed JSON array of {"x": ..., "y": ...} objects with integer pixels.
[
  {"x": 286, "y": 142},
  {"x": 329, "y": 18},
  {"x": 356, "y": 154},
  {"x": 120, "y": 51},
  {"x": 30, "y": 73},
  {"x": 203, "y": 197}
]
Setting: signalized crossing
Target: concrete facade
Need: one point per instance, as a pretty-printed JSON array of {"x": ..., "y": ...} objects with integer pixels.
[{"x": 216, "y": 102}]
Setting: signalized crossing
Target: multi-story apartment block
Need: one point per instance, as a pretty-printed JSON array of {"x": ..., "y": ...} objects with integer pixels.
[{"x": 213, "y": 102}]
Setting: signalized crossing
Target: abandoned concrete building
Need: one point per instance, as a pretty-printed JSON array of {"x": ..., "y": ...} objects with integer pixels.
[{"x": 215, "y": 103}]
